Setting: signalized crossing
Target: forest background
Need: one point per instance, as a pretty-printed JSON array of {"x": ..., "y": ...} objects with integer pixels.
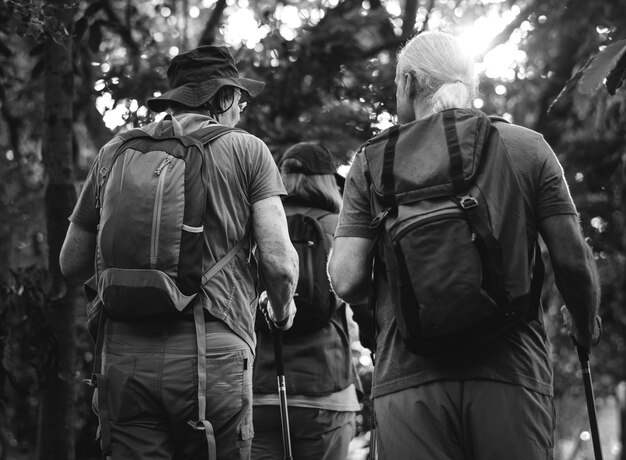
[{"x": 72, "y": 73}]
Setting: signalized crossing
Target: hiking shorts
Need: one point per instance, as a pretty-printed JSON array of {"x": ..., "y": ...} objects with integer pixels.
[
  {"x": 150, "y": 373},
  {"x": 465, "y": 420},
  {"x": 316, "y": 434}
]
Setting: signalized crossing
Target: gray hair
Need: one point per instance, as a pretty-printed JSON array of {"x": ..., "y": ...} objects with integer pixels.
[{"x": 443, "y": 73}]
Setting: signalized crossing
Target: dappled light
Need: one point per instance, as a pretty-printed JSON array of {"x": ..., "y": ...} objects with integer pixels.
[{"x": 74, "y": 74}]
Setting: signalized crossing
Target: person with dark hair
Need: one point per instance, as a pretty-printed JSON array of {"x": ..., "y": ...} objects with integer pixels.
[
  {"x": 319, "y": 375},
  {"x": 158, "y": 374},
  {"x": 490, "y": 399}
]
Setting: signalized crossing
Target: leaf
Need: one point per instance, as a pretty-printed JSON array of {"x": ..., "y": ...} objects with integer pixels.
[
  {"x": 617, "y": 76},
  {"x": 95, "y": 37},
  {"x": 80, "y": 27},
  {"x": 607, "y": 61},
  {"x": 37, "y": 69},
  {"x": 569, "y": 85},
  {"x": 566, "y": 89}
]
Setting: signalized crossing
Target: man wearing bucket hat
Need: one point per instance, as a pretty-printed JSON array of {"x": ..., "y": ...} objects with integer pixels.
[{"x": 151, "y": 369}]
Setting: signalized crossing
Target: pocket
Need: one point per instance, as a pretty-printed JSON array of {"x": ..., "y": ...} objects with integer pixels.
[
  {"x": 122, "y": 397},
  {"x": 229, "y": 386},
  {"x": 445, "y": 280}
]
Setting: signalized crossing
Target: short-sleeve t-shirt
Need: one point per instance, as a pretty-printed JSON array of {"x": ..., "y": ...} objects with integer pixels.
[
  {"x": 521, "y": 355},
  {"x": 241, "y": 172}
]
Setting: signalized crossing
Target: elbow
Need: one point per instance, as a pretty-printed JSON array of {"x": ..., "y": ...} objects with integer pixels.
[
  {"x": 348, "y": 292},
  {"x": 345, "y": 287},
  {"x": 71, "y": 275},
  {"x": 282, "y": 269}
]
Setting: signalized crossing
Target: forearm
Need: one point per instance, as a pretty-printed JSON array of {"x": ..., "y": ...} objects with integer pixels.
[
  {"x": 580, "y": 288},
  {"x": 279, "y": 275}
]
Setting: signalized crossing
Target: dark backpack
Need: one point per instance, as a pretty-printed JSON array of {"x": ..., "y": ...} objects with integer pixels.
[
  {"x": 314, "y": 297},
  {"x": 151, "y": 195},
  {"x": 453, "y": 236}
]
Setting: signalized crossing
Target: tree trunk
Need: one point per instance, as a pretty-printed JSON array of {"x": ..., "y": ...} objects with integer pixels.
[
  {"x": 210, "y": 31},
  {"x": 56, "y": 412}
]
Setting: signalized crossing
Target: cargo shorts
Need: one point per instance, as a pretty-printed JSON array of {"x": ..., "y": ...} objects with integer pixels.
[
  {"x": 465, "y": 420},
  {"x": 150, "y": 373}
]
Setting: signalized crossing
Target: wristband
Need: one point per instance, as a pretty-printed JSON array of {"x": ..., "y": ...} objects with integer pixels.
[
  {"x": 282, "y": 322},
  {"x": 599, "y": 321}
]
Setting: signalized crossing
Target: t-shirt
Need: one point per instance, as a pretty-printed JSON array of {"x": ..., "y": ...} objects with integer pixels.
[
  {"x": 521, "y": 355},
  {"x": 241, "y": 172}
]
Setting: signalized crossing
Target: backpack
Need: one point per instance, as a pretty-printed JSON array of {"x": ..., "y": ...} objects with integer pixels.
[
  {"x": 151, "y": 194},
  {"x": 452, "y": 231},
  {"x": 314, "y": 298}
]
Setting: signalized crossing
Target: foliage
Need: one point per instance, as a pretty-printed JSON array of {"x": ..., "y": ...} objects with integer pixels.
[
  {"x": 330, "y": 78},
  {"x": 29, "y": 351}
]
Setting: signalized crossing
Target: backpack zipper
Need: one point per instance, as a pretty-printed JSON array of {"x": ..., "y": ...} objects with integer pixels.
[
  {"x": 163, "y": 165},
  {"x": 158, "y": 204},
  {"x": 446, "y": 213}
]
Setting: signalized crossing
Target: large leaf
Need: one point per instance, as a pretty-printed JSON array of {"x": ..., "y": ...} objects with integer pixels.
[{"x": 610, "y": 64}]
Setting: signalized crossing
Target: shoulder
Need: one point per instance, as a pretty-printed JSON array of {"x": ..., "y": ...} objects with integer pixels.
[
  {"x": 517, "y": 137},
  {"x": 244, "y": 138},
  {"x": 524, "y": 146}
]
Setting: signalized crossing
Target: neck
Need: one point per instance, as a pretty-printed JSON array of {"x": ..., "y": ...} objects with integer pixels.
[{"x": 422, "y": 110}]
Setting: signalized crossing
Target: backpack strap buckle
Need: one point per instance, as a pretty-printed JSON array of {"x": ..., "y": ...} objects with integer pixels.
[
  {"x": 467, "y": 202},
  {"x": 379, "y": 218}
]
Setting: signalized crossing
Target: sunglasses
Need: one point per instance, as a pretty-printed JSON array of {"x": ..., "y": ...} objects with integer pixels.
[{"x": 242, "y": 104}]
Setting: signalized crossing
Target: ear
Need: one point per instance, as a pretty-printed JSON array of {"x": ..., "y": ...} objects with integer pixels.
[{"x": 409, "y": 84}]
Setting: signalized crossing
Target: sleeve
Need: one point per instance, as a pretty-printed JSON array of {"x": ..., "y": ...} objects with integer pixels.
[
  {"x": 355, "y": 216},
  {"x": 85, "y": 213},
  {"x": 264, "y": 179},
  {"x": 554, "y": 196}
]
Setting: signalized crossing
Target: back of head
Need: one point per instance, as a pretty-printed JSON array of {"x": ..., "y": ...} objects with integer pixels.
[
  {"x": 442, "y": 71},
  {"x": 308, "y": 172}
]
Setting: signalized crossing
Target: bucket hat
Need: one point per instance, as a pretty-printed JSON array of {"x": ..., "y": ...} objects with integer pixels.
[
  {"x": 314, "y": 159},
  {"x": 196, "y": 76}
]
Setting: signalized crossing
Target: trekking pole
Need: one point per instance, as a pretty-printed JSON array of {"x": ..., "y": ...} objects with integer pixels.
[
  {"x": 277, "y": 334},
  {"x": 583, "y": 356},
  {"x": 282, "y": 391}
]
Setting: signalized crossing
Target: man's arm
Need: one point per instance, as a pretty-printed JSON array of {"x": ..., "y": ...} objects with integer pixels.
[
  {"x": 77, "y": 254},
  {"x": 278, "y": 260},
  {"x": 575, "y": 274},
  {"x": 349, "y": 268}
]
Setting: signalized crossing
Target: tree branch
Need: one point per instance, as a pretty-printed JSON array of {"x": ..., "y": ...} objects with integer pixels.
[
  {"x": 210, "y": 31},
  {"x": 503, "y": 36},
  {"x": 124, "y": 31}
]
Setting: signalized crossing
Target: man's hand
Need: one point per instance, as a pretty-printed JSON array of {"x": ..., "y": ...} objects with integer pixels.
[
  {"x": 587, "y": 338},
  {"x": 283, "y": 322}
]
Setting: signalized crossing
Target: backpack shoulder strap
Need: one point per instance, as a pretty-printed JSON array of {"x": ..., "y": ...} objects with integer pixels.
[
  {"x": 498, "y": 118},
  {"x": 317, "y": 213},
  {"x": 211, "y": 272}
]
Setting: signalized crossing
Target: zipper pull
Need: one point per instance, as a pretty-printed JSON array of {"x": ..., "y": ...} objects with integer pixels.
[
  {"x": 165, "y": 162},
  {"x": 103, "y": 175},
  {"x": 379, "y": 218}
]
